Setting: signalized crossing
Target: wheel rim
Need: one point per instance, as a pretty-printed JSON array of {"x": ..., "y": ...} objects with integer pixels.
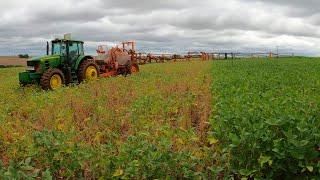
[
  {"x": 55, "y": 81},
  {"x": 134, "y": 69},
  {"x": 91, "y": 73}
]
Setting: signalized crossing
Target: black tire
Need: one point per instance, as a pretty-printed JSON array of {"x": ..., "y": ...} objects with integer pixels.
[
  {"x": 23, "y": 84},
  {"x": 128, "y": 70},
  {"x": 83, "y": 67},
  {"x": 46, "y": 77}
]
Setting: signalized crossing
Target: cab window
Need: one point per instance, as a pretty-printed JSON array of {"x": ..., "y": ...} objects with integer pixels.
[
  {"x": 73, "y": 49},
  {"x": 56, "y": 49},
  {"x": 80, "y": 48},
  {"x": 63, "y": 49}
]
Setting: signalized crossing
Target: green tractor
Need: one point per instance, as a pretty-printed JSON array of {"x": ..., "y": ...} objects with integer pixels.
[{"x": 66, "y": 64}]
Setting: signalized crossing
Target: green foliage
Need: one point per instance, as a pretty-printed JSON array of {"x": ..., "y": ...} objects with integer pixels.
[
  {"x": 22, "y": 170},
  {"x": 59, "y": 152},
  {"x": 266, "y": 117},
  {"x": 264, "y": 123},
  {"x": 150, "y": 125}
]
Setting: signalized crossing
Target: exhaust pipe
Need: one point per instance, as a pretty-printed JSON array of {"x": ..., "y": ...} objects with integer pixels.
[{"x": 47, "y": 48}]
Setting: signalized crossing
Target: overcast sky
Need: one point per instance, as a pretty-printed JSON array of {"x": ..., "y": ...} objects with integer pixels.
[{"x": 163, "y": 25}]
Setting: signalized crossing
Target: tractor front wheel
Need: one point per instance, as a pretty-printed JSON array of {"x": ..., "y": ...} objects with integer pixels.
[
  {"x": 88, "y": 70},
  {"x": 52, "y": 79}
]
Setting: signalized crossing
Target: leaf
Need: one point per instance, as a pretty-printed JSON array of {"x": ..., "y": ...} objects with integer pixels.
[
  {"x": 265, "y": 159},
  {"x": 46, "y": 175},
  {"x": 27, "y": 168},
  {"x": 300, "y": 129},
  {"x": 273, "y": 122},
  {"x": 310, "y": 168},
  {"x": 98, "y": 138},
  {"x": 118, "y": 173},
  {"x": 180, "y": 141},
  {"x": 69, "y": 151},
  {"x": 60, "y": 127},
  {"x": 303, "y": 143},
  {"x": 234, "y": 139},
  {"x": 27, "y": 161},
  {"x": 297, "y": 154},
  {"x": 213, "y": 140},
  {"x": 247, "y": 172},
  {"x": 35, "y": 173},
  {"x": 300, "y": 143}
]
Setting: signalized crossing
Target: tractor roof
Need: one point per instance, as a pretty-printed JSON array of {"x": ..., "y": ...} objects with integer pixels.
[{"x": 66, "y": 40}]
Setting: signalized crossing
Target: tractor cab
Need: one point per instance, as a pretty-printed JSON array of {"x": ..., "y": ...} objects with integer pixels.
[{"x": 67, "y": 49}]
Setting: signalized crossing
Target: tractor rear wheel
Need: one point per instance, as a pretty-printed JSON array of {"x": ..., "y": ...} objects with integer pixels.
[
  {"x": 52, "y": 79},
  {"x": 88, "y": 70}
]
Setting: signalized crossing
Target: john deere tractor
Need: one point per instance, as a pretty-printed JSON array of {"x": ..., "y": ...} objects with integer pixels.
[{"x": 66, "y": 64}]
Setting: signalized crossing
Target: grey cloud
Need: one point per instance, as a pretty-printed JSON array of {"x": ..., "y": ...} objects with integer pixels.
[
  {"x": 297, "y": 8},
  {"x": 168, "y": 25}
]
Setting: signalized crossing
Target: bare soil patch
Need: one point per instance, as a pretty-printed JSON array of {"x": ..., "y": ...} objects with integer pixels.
[{"x": 12, "y": 61}]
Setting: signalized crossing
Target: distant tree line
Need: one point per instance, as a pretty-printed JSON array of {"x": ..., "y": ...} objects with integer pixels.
[{"x": 23, "y": 55}]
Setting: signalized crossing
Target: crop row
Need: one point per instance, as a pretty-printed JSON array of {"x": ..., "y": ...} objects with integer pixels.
[{"x": 266, "y": 119}]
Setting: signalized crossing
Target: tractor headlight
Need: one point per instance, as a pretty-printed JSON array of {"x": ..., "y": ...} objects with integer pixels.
[
  {"x": 31, "y": 68},
  {"x": 35, "y": 68}
]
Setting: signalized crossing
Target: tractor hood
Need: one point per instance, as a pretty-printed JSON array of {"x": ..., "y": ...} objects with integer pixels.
[
  {"x": 43, "y": 63},
  {"x": 44, "y": 58},
  {"x": 35, "y": 59}
]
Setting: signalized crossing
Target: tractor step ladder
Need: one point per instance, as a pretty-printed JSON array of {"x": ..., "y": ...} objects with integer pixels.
[{"x": 74, "y": 76}]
